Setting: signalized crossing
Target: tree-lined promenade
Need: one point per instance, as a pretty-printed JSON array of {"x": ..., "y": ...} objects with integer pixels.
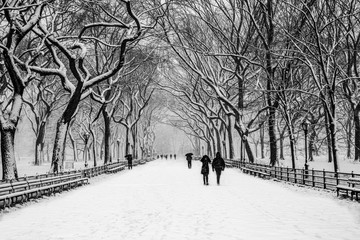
[{"x": 108, "y": 72}]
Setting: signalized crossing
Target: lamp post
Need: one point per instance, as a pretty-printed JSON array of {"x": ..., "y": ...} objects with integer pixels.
[{"x": 305, "y": 126}]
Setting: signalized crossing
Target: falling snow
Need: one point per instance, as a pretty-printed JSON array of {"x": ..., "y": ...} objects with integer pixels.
[{"x": 165, "y": 200}]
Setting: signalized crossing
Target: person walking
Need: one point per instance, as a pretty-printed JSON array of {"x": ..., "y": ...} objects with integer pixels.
[
  {"x": 129, "y": 159},
  {"x": 218, "y": 165},
  {"x": 205, "y": 168},
  {"x": 189, "y": 158}
]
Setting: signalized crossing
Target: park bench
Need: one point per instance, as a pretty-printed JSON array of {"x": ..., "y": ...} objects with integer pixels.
[
  {"x": 228, "y": 163},
  {"x": 142, "y": 161},
  {"x": 116, "y": 167},
  {"x": 21, "y": 191},
  {"x": 350, "y": 188},
  {"x": 258, "y": 171},
  {"x": 135, "y": 162}
]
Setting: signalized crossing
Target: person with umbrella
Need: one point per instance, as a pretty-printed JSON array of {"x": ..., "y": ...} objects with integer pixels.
[
  {"x": 129, "y": 159},
  {"x": 205, "y": 168},
  {"x": 189, "y": 158}
]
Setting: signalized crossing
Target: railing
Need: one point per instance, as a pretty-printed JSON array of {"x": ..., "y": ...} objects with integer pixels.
[{"x": 314, "y": 178}]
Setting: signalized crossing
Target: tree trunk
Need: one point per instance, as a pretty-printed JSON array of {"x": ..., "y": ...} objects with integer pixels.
[
  {"x": 62, "y": 129},
  {"x": 107, "y": 135},
  {"x": 59, "y": 146},
  {"x": 39, "y": 143},
  {"x": 357, "y": 132},
  {"x": 256, "y": 148},
  {"x": 209, "y": 149},
  {"x": 94, "y": 146},
  {"x": 9, "y": 170},
  {"x": 270, "y": 81},
  {"x": 281, "y": 146},
  {"x": 48, "y": 152},
  {"x": 213, "y": 145},
  {"x": 312, "y": 137},
  {"x": 7, "y": 129},
  {"x": 262, "y": 141},
  {"x": 230, "y": 138},
  {"x": 239, "y": 128},
  {"x": 248, "y": 149},
  {"x": 135, "y": 141},
  {"x": 218, "y": 140},
  {"x": 333, "y": 142},
  {"x": 127, "y": 141},
  {"x": 292, "y": 147},
  {"x": 272, "y": 137},
  {"x": 328, "y": 138},
  {"x": 74, "y": 146},
  {"x": 348, "y": 138}
]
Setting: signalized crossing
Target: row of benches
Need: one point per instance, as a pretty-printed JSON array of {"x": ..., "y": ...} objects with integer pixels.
[
  {"x": 32, "y": 187},
  {"x": 352, "y": 188},
  {"x": 20, "y": 191},
  {"x": 259, "y": 171},
  {"x": 116, "y": 167}
]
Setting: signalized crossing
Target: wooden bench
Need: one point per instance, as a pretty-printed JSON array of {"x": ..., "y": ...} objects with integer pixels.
[
  {"x": 142, "y": 161},
  {"x": 135, "y": 162},
  {"x": 116, "y": 167},
  {"x": 20, "y": 191},
  {"x": 261, "y": 172},
  {"x": 228, "y": 163},
  {"x": 350, "y": 188}
]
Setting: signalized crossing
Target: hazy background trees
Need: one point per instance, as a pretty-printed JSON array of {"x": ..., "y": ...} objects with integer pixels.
[{"x": 100, "y": 78}]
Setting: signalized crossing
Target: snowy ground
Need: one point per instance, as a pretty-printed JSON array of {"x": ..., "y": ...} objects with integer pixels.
[{"x": 165, "y": 200}]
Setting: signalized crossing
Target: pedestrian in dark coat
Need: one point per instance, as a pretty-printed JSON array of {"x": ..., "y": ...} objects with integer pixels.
[
  {"x": 129, "y": 159},
  {"x": 205, "y": 169},
  {"x": 218, "y": 165},
  {"x": 189, "y": 158}
]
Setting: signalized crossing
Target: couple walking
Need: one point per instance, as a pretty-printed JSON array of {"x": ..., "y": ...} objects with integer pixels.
[{"x": 218, "y": 165}]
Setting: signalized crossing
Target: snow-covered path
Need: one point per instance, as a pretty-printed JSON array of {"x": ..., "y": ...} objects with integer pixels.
[{"x": 165, "y": 200}]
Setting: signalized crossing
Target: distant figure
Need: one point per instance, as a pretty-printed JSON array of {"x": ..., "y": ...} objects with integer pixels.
[
  {"x": 170, "y": 156},
  {"x": 157, "y": 156},
  {"x": 175, "y": 156},
  {"x": 189, "y": 158},
  {"x": 166, "y": 156},
  {"x": 205, "y": 168},
  {"x": 218, "y": 165},
  {"x": 161, "y": 156},
  {"x": 129, "y": 159}
]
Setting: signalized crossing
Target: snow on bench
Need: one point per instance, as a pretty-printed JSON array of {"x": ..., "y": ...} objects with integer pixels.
[
  {"x": 21, "y": 191},
  {"x": 116, "y": 167},
  {"x": 350, "y": 188},
  {"x": 258, "y": 171}
]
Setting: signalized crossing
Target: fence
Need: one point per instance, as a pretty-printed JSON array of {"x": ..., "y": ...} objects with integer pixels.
[{"x": 314, "y": 178}]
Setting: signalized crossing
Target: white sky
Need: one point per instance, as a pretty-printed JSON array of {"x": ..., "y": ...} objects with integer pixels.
[{"x": 166, "y": 200}]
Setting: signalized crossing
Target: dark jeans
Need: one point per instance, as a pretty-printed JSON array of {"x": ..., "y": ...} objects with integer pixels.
[
  {"x": 206, "y": 179},
  {"x": 218, "y": 174},
  {"x": 130, "y": 165},
  {"x": 189, "y": 164}
]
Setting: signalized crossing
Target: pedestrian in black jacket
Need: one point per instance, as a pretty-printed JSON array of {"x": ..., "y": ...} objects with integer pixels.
[
  {"x": 205, "y": 169},
  {"x": 189, "y": 158},
  {"x": 130, "y": 160},
  {"x": 218, "y": 165}
]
